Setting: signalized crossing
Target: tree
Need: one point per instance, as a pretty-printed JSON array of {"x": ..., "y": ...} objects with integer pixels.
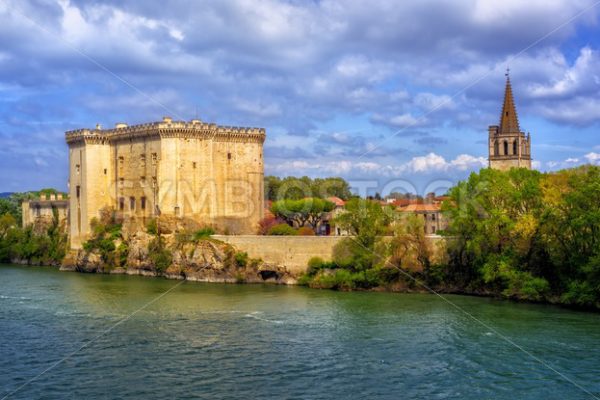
[
  {"x": 366, "y": 220},
  {"x": 410, "y": 247},
  {"x": 303, "y": 212},
  {"x": 298, "y": 188},
  {"x": 7, "y": 221}
]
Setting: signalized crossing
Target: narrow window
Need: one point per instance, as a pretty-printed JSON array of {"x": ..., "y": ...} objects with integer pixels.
[
  {"x": 78, "y": 191},
  {"x": 194, "y": 165},
  {"x": 121, "y": 182},
  {"x": 433, "y": 229},
  {"x": 142, "y": 181},
  {"x": 121, "y": 203},
  {"x": 77, "y": 168},
  {"x": 154, "y": 158},
  {"x": 105, "y": 171},
  {"x": 433, "y": 217},
  {"x": 132, "y": 203},
  {"x": 496, "y": 148},
  {"x": 229, "y": 156},
  {"x": 515, "y": 147},
  {"x": 143, "y": 202},
  {"x": 505, "y": 148}
]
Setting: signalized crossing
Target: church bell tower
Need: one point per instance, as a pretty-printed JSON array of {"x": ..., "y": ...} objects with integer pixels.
[{"x": 508, "y": 146}]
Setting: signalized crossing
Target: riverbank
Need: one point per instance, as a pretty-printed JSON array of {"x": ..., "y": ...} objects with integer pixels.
[{"x": 253, "y": 276}]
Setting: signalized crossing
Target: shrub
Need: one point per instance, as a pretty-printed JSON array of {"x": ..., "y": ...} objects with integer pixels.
[
  {"x": 306, "y": 231},
  {"x": 152, "y": 227},
  {"x": 282, "y": 230},
  {"x": 265, "y": 225},
  {"x": 203, "y": 233},
  {"x": 160, "y": 256},
  {"x": 241, "y": 259},
  {"x": 314, "y": 265}
]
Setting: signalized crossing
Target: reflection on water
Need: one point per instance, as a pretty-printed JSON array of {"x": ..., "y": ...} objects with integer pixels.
[{"x": 221, "y": 341}]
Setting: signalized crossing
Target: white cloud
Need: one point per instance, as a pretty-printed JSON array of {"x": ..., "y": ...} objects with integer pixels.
[
  {"x": 428, "y": 164},
  {"x": 593, "y": 158}
]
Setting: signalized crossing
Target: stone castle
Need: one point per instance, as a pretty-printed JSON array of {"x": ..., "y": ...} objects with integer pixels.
[
  {"x": 508, "y": 146},
  {"x": 209, "y": 174}
]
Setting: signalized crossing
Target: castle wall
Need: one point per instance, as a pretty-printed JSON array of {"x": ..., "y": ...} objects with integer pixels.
[
  {"x": 294, "y": 252},
  {"x": 135, "y": 165},
  {"x": 210, "y": 174},
  {"x": 43, "y": 209}
]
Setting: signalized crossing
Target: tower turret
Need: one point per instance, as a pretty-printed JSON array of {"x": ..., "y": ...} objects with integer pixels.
[{"x": 508, "y": 146}]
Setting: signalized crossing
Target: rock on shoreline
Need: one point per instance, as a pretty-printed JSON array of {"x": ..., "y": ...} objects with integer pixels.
[{"x": 202, "y": 261}]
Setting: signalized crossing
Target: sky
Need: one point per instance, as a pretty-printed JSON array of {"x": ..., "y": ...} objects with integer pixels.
[{"x": 391, "y": 95}]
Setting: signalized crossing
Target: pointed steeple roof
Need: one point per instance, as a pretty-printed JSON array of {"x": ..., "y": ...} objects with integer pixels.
[{"x": 509, "y": 121}]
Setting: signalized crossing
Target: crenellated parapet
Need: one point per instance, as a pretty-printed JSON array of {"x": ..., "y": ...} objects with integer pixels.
[{"x": 167, "y": 128}]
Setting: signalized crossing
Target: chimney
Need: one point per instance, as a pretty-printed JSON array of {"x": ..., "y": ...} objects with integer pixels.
[
  {"x": 120, "y": 125},
  {"x": 59, "y": 196}
]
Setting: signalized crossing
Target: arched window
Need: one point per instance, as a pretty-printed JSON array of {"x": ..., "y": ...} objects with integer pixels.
[
  {"x": 496, "y": 148},
  {"x": 515, "y": 147},
  {"x": 505, "y": 148}
]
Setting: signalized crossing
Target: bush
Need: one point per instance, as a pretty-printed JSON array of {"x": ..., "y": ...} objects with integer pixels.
[
  {"x": 306, "y": 231},
  {"x": 282, "y": 230},
  {"x": 341, "y": 280},
  {"x": 317, "y": 264},
  {"x": 203, "y": 233},
  {"x": 241, "y": 259},
  {"x": 265, "y": 224},
  {"x": 152, "y": 227},
  {"x": 160, "y": 256}
]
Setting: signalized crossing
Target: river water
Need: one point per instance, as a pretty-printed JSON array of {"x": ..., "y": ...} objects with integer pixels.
[{"x": 220, "y": 341}]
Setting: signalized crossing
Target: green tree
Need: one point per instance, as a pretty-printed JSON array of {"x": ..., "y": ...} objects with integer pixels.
[
  {"x": 298, "y": 188},
  {"x": 303, "y": 212},
  {"x": 367, "y": 220}
]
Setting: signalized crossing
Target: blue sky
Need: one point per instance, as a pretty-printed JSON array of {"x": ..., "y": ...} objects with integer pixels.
[{"x": 383, "y": 93}]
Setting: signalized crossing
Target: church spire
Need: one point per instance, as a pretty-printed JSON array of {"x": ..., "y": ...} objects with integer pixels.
[{"x": 509, "y": 121}]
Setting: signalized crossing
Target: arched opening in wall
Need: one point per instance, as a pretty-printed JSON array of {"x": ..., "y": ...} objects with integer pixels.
[
  {"x": 496, "y": 148},
  {"x": 515, "y": 147},
  {"x": 505, "y": 147}
]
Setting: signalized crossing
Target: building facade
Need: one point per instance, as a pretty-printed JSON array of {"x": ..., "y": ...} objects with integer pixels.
[
  {"x": 434, "y": 220},
  {"x": 45, "y": 209},
  {"x": 204, "y": 172},
  {"x": 508, "y": 146}
]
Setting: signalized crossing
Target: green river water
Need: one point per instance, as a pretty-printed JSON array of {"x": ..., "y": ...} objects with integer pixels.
[{"x": 220, "y": 341}]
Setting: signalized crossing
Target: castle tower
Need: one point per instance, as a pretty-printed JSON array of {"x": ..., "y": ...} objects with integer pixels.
[
  {"x": 508, "y": 146},
  {"x": 197, "y": 173}
]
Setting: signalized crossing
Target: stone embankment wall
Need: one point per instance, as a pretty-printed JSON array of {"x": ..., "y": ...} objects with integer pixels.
[{"x": 293, "y": 252}]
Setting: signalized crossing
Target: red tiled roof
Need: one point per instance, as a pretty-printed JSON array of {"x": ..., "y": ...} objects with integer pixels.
[
  {"x": 421, "y": 208},
  {"x": 337, "y": 201}
]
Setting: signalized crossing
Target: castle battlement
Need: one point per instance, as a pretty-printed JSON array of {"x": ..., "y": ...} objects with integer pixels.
[
  {"x": 200, "y": 172},
  {"x": 166, "y": 128}
]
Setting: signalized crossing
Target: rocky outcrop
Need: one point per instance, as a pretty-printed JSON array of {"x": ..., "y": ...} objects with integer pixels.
[{"x": 205, "y": 260}]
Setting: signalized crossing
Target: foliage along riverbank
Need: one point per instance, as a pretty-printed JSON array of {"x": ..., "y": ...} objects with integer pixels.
[{"x": 519, "y": 234}]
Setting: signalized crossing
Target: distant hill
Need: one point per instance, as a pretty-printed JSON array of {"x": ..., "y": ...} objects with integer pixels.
[{"x": 5, "y": 195}]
